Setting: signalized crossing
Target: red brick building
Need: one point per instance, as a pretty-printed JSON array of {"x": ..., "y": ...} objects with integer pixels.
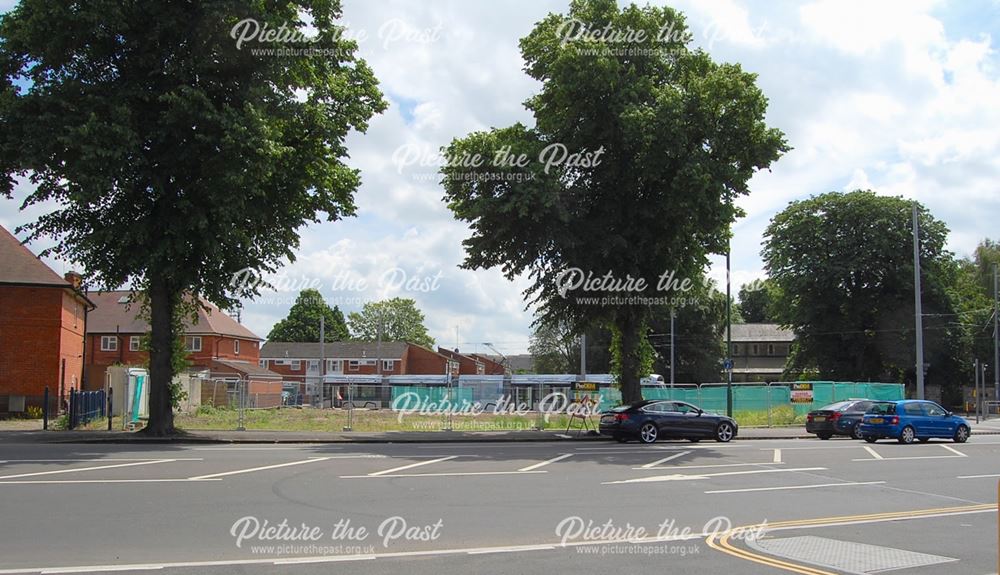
[
  {"x": 302, "y": 361},
  {"x": 115, "y": 332},
  {"x": 467, "y": 364},
  {"x": 41, "y": 328},
  {"x": 490, "y": 365}
]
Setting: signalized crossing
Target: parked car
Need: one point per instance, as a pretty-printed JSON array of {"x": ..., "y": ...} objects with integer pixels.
[
  {"x": 910, "y": 419},
  {"x": 840, "y": 418},
  {"x": 655, "y": 419}
]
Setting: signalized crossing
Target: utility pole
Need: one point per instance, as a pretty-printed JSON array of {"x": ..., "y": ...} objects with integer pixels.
[
  {"x": 672, "y": 343},
  {"x": 583, "y": 357},
  {"x": 916, "y": 300},
  {"x": 322, "y": 359},
  {"x": 996, "y": 341},
  {"x": 976, "y": 394},
  {"x": 729, "y": 336}
]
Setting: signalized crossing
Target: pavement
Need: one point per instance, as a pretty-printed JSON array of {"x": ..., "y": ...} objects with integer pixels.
[
  {"x": 826, "y": 507},
  {"x": 256, "y": 436}
]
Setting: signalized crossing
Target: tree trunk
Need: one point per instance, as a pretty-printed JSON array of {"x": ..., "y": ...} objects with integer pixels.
[
  {"x": 630, "y": 360},
  {"x": 162, "y": 301}
]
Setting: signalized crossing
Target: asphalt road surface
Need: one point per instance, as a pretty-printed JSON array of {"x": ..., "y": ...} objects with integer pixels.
[{"x": 804, "y": 506}]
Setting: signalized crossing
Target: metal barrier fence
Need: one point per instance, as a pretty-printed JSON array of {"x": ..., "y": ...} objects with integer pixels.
[
  {"x": 495, "y": 403},
  {"x": 86, "y": 406}
]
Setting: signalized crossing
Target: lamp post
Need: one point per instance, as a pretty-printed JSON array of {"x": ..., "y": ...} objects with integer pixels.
[{"x": 729, "y": 335}]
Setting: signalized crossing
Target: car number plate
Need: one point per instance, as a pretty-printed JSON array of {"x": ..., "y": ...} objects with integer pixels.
[
  {"x": 875, "y": 420},
  {"x": 820, "y": 418}
]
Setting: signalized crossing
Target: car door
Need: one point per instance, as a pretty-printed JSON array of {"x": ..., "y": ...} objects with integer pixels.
[
  {"x": 673, "y": 420},
  {"x": 853, "y": 414},
  {"x": 913, "y": 415},
  {"x": 657, "y": 412},
  {"x": 692, "y": 422},
  {"x": 938, "y": 422}
]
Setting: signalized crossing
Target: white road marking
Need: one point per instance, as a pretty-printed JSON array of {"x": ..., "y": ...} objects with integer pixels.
[
  {"x": 753, "y": 489},
  {"x": 546, "y": 462},
  {"x": 514, "y": 549},
  {"x": 913, "y": 457},
  {"x": 714, "y": 465},
  {"x": 872, "y": 452},
  {"x": 75, "y": 470},
  {"x": 99, "y": 459},
  {"x": 412, "y": 465},
  {"x": 777, "y": 456},
  {"x": 252, "y": 448},
  {"x": 263, "y": 468},
  {"x": 301, "y": 560},
  {"x": 456, "y": 474},
  {"x": 953, "y": 450},
  {"x": 977, "y": 476},
  {"x": 665, "y": 459},
  {"x": 78, "y": 481},
  {"x": 679, "y": 477}
]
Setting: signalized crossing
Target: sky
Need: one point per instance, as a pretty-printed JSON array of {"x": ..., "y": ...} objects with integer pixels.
[{"x": 902, "y": 97}]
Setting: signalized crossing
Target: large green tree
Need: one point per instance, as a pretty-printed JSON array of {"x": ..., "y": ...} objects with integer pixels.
[
  {"x": 302, "y": 322},
  {"x": 176, "y": 155},
  {"x": 843, "y": 263},
  {"x": 756, "y": 301},
  {"x": 396, "y": 319},
  {"x": 555, "y": 348},
  {"x": 632, "y": 168},
  {"x": 699, "y": 333}
]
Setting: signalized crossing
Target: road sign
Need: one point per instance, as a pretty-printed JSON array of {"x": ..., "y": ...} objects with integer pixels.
[{"x": 727, "y": 363}]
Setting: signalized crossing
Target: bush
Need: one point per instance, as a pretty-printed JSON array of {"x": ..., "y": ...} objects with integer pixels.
[{"x": 34, "y": 412}]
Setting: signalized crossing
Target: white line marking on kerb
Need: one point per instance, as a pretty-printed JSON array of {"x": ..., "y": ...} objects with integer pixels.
[
  {"x": 818, "y": 485},
  {"x": 872, "y": 452},
  {"x": 953, "y": 450},
  {"x": 264, "y": 468},
  {"x": 678, "y": 477},
  {"x": 777, "y": 456},
  {"x": 411, "y": 466},
  {"x": 665, "y": 459},
  {"x": 96, "y": 467},
  {"x": 546, "y": 462}
]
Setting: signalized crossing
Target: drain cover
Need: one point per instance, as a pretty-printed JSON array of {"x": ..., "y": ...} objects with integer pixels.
[{"x": 846, "y": 555}]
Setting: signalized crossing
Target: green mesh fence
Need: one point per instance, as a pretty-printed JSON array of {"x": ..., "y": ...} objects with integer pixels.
[{"x": 425, "y": 395}]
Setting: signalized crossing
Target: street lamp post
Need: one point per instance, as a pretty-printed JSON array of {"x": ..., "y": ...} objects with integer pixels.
[{"x": 729, "y": 336}]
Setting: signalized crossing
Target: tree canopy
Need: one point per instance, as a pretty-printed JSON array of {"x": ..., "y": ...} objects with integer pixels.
[
  {"x": 178, "y": 156},
  {"x": 396, "y": 319},
  {"x": 843, "y": 266},
  {"x": 756, "y": 301},
  {"x": 302, "y": 322},
  {"x": 631, "y": 170}
]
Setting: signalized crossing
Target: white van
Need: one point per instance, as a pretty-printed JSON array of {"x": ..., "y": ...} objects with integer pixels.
[{"x": 653, "y": 380}]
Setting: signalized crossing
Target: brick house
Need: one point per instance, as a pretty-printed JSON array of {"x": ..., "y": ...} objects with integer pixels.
[
  {"x": 302, "y": 361},
  {"x": 41, "y": 328},
  {"x": 216, "y": 342},
  {"x": 490, "y": 365},
  {"x": 467, "y": 364}
]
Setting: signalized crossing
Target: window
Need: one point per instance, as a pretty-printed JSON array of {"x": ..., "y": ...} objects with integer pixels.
[
  {"x": 353, "y": 365},
  {"x": 912, "y": 409},
  {"x": 333, "y": 365},
  {"x": 755, "y": 351},
  {"x": 388, "y": 364},
  {"x": 109, "y": 343},
  {"x": 192, "y": 343},
  {"x": 236, "y": 346},
  {"x": 133, "y": 343},
  {"x": 736, "y": 349},
  {"x": 262, "y": 363},
  {"x": 770, "y": 349},
  {"x": 296, "y": 364},
  {"x": 934, "y": 410},
  {"x": 370, "y": 362}
]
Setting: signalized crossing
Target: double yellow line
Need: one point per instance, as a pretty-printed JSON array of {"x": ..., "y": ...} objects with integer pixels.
[{"x": 724, "y": 545}]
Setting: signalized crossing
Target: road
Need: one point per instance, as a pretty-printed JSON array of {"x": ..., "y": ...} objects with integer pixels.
[{"x": 836, "y": 506}]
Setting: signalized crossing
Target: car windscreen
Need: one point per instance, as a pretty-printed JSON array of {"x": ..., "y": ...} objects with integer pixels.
[{"x": 882, "y": 408}]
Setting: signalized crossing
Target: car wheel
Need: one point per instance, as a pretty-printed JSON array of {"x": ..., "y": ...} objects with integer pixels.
[
  {"x": 648, "y": 432},
  {"x": 724, "y": 432},
  {"x": 871, "y": 438},
  {"x": 907, "y": 435},
  {"x": 961, "y": 434},
  {"x": 856, "y": 431},
  {"x": 824, "y": 436}
]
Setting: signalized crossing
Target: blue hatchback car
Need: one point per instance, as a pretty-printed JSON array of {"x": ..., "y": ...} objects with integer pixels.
[{"x": 910, "y": 419}]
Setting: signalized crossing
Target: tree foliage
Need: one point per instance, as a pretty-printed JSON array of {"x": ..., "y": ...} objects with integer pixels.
[
  {"x": 176, "y": 157},
  {"x": 756, "y": 301},
  {"x": 396, "y": 319},
  {"x": 303, "y": 320},
  {"x": 699, "y": 334},
  {"x": 555, "y": 348},
  {"x": 657, "y": 141},
  {"x": 843, "y": 263}
]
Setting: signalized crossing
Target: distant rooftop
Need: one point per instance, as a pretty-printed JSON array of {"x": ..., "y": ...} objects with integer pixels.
[{"x": 761, "y": 332}]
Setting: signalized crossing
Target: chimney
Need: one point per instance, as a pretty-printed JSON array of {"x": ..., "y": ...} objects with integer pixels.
[{"x": 74, "y": 279}]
